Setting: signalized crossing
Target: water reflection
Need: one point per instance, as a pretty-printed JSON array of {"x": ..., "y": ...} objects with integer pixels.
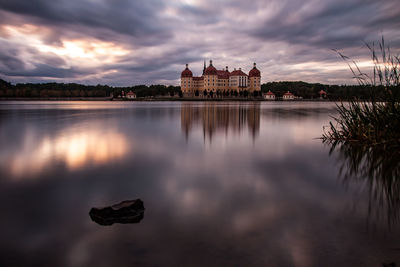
[
  {"x": 273, "y": 200},
  {"x": 379, "y": 169},
  {"x": 94, "y": 146},
  {"x": 215, "y": 118}
]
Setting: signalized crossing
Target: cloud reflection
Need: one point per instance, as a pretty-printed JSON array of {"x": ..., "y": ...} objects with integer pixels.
[{"x": 75, "y": 150}]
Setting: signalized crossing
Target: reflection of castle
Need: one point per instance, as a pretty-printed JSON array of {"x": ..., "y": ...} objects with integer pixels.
[{"x": 217, "y": 118}]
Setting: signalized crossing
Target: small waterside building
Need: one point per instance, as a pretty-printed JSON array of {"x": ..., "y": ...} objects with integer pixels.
[
  {"x": 322, "y": 94},
  {"x": 269, "y": 95},
  {"x": 131, "y": 95},
  {"x": 288, "y": 96}
]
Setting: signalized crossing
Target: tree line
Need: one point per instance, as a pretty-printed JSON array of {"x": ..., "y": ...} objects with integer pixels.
[
  {"x": 299, "y": 88},
  {"x": 46, "y": 90},
  {"x": 334, "y": 92}
]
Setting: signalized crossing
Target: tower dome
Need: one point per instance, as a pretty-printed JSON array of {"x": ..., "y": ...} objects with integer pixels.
[
  {"x": 254, "y": 72},
  {"x": 186, "y": 72},
  {"x": 210, "y": 70}
]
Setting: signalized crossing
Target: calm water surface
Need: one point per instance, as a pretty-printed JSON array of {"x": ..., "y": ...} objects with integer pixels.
[{"x": 223, "y": 184}]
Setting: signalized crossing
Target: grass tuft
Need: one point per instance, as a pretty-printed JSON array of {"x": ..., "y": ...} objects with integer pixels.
[{"x": 369, "y": 123}]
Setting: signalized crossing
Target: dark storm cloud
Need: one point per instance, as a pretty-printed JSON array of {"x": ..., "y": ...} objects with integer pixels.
[
  {"x": 330, "y": 24},
  {"x": 43, "y": 70},
  {"x": 134, "y": 18},
  {"x": 161, "y": 36},
  {"x": 200, "y": 15},
  {"x": 45, "y": 64},
  {"x": 9, "y": 59},
  {"x": 178, "y": 55}
]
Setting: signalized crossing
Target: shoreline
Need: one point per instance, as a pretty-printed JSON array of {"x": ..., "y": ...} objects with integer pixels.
[
  {"x": 55, "y": 99},
  {"x": 146, "y": 99}
]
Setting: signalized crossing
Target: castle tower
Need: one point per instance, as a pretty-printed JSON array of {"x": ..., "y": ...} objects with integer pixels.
[
  {"x": 255, "y": 79},
  {"x": 187, "y": 80},
  {"x": 210, "y": 78}
]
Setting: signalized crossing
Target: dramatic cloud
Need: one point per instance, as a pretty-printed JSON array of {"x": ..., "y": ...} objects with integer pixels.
[{"x": 135, "y": 42}]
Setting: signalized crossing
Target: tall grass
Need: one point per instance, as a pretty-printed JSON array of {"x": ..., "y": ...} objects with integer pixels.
[
  {"x": 366, "y": 134},
  {"x": 375, "y": 121},
  {"x": 369, "y": 123}
]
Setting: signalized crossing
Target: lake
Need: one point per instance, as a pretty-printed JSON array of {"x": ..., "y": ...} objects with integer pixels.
[{"x": 223, "y": 184}]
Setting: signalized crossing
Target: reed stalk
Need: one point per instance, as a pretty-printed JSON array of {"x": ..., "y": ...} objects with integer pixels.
[{"x": 375, "y": 121}]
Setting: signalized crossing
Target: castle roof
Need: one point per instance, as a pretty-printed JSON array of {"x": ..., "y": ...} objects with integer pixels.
[
  {"x": 237, "y": 73},
  {"x": 223, "y": 74},
  {"x": 198, "y": 78}
]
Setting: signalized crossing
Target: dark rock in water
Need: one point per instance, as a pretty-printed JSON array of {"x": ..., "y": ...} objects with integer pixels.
[{"x": 128, "y": 211}]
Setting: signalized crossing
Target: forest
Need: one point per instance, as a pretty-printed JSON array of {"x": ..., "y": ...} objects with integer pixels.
[{"x": 66, "y": 90}]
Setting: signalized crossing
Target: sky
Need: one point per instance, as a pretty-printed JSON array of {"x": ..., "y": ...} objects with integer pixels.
[{"x": 127, "y": 42}]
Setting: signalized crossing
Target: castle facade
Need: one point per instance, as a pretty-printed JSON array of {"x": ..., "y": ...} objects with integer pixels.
[{"x": 213, "y": 80}]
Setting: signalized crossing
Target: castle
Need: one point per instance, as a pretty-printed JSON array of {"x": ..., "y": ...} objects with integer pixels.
[{"x": 220, "y": 81}]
